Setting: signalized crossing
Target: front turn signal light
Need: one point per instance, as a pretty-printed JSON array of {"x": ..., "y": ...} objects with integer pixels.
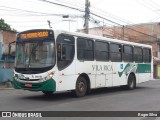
[{"x": 50, "y": 75}]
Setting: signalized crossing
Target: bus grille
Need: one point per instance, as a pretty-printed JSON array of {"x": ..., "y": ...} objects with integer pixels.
[{"x": 30, "y": 79}]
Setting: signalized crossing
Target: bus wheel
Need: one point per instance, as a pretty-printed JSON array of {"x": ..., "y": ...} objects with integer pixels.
[
  {"x": 48, "y": 93},
  {"x": 131, "y": 82},
  {"x": 81, "y": 87}
]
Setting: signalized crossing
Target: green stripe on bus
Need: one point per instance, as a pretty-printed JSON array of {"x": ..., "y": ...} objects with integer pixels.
[
  {"x": 136, "y": 68},
  {"x": 143, "y": 68},
  {"x": 49, "y": 85}
]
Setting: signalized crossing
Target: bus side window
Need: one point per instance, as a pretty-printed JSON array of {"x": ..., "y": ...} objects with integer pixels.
[
  {"x": 67, "y": 52},
  {"x": 138, "y": 56},
  {"x": 101, "y": 51},
  {"x": 115, "y": 52},
  {"x": 127, "y": 53},
  {"x": 146, "y": 55},
  {"x": 85, "y": 49}
]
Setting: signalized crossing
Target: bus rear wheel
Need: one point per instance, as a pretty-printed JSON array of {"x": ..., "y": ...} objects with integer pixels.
[
  {"x": 81, "y": 87},
  {"x": 48, "y": 93},
  {"x": 131, "y": 82}
]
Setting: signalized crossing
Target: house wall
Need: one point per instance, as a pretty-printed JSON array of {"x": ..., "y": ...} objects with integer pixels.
[
  {"x": 8, "y": 37},
  {"x": 6, "y": 66}
]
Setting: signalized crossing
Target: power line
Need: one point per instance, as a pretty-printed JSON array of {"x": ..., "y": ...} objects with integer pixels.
[
  {"x": 155, "y": 4},
  {"x": 155, "y": 18},
  {"x": 34, "y": 25},
  {"x": 76, "y": 4},
  {"x": 104, "y": 13},
  {"x": 62, "y": 5},
  {"x": 149, "y": 6},
  {"x": 116, "y": 18},
  {"x": 122, "y": 25},
  {"x": 96, "y": 16},
  {"x": 98, "y": 2},
  {"x": 27, "y": 10},
  {"x": 111, "y": 32},
  {"x": 34, "y": 13}
]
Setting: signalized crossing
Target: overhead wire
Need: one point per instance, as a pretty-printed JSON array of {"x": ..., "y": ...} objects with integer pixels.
[
  {"x": 73, "y": 8},
  {"x": 122, "y": 25},
  {"x": 147, "y": 5},
  {"x": 35, "y": 25},
  {"x": 109, "y": 32},
  {"x": 155, "y": 19},
  {"x": 32, "y": 13},
  {"x": 62, "y": 5},
  {"x": 129, "y": 24},
  {"x": 113, "y": 17},
  {"x": 153, "y": 4},
  {"x": 74, "y": 3},
  {"x": 96, "y": 16}
]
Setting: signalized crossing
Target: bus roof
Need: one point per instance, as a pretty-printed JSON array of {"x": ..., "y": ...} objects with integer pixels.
[
  {"x": 92, "y": 37},
  {"x": 101, "y": 38}
]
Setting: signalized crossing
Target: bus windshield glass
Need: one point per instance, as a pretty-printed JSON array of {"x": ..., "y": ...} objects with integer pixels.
[{"x": 38, "y": 54}]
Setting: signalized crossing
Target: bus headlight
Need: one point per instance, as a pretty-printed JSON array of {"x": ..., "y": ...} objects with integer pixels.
[
  {"x": 50, "y": 75},
  {"x": 14, "y": 74}
]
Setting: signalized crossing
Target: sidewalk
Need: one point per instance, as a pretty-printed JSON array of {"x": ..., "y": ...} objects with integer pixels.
[{"x": 6, "y": 85}]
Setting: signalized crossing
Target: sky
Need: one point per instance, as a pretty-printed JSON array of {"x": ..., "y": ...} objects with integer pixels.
[{"x": 34, "y": 14}]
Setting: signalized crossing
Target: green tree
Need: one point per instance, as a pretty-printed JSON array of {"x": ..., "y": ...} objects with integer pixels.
[{"x": 5, "y": 26}]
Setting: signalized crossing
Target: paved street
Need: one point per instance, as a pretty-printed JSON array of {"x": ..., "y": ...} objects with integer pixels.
[{"x": 145, "y": 97}]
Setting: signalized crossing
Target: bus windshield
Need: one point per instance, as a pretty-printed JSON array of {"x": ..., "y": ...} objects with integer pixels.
[{"x": 38, "y": 54}]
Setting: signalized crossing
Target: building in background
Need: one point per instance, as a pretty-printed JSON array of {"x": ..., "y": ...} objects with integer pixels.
[
  {"x": 7, "y": 39},
  {"x": 146, "y": 33}
]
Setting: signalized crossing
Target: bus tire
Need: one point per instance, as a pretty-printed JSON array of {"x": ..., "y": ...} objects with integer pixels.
[
  {"x": 81, "y": 87},
  {"x": 48, "y": 93},
  {"x": 131, "y": 82}
]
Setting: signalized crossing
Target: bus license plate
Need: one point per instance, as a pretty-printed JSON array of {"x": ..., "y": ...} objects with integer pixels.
[{"x": 28, "y": 85}]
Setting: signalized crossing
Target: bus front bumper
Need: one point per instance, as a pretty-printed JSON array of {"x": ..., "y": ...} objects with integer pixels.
[{"x": 49, "y": 85}]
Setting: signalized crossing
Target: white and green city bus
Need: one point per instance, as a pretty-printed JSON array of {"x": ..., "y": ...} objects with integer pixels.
[{"x": 51, "y": 61}]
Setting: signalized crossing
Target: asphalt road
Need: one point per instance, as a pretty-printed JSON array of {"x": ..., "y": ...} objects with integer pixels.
[{"x": 146, "y": 97}]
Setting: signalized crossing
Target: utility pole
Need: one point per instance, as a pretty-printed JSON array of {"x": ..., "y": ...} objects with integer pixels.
[
  {"x": 122, "y": 37},
  {"x": 87, "y": 12}
]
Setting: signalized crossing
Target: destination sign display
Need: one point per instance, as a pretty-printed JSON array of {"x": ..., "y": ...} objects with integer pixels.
[{"x": 37, "y": 34}]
